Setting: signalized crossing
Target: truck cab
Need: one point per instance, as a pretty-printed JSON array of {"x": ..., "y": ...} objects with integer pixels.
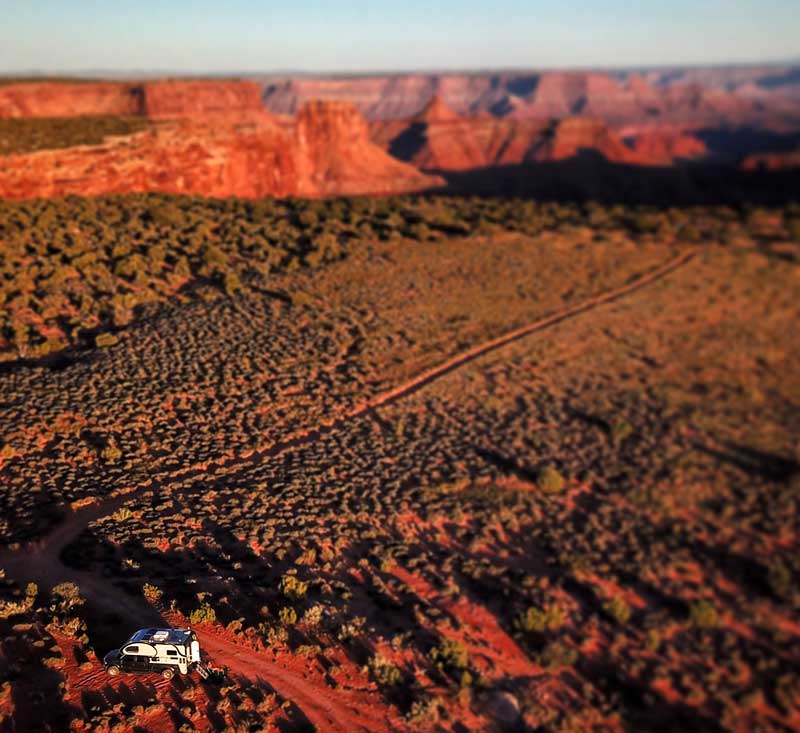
[{"x": 155, "y": 651}]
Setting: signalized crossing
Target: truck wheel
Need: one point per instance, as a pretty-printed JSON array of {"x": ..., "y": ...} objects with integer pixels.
[
  {"x": 113, "y": 670},
  {"x": 167, "y": 673}
]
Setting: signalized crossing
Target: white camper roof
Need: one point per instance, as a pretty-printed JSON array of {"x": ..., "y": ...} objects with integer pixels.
[{"x": 163, "y": 636}]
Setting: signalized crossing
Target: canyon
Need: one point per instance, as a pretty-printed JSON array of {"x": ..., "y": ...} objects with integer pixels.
[
  {"x": 694, "y": 97},
  {"x": 328, "y": 136},
  {"x": 207, "y": 138}
]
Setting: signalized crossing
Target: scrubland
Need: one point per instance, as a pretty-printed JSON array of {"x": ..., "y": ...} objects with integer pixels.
[{"x": 591, "y": 528}]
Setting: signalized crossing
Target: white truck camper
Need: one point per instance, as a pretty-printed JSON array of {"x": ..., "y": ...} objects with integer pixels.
[{"x": 160, "y": 651}]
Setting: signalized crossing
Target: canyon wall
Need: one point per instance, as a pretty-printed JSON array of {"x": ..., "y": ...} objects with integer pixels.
[
  {"x": 438, "y": 139},
  {"x": 326, "y": 152},
  {"x": 167, "y": 99},
  {"x": 62, "y": 99},
  {"x": 710, "y": 97}
]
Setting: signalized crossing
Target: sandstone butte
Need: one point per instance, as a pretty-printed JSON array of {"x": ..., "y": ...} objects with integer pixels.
[
  {"x": 207, "y": 138},
  {"x": 437, "y": 139}
]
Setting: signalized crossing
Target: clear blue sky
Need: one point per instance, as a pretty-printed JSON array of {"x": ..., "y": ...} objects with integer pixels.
[{"x": 258, "y": 35}]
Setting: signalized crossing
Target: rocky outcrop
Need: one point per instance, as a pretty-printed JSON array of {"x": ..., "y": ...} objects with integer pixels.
[
  {"x": 336, "y": 156},
  {"x": 326, "y": 152},
  {"x": 444, "y": 142},
  {"x": 461, "y": 144},
  {"x": 169, "y": 99},
  {"x": 195, "y": 99},
  {"x": 573, "y": 135},
  {"x": 436, "y": 111},
  {"x": 178, "y": 158},
  {"x": 664, "y": 146},
  {"x": 57, "y": 99}
]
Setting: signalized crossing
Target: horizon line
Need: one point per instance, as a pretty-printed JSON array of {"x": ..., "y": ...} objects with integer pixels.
[{"x": 134, "y": 72}]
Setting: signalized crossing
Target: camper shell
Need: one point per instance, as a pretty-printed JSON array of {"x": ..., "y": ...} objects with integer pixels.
[{"x": 160, "y": 651}]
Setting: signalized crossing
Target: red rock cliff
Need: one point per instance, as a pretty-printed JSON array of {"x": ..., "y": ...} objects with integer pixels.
[
  {"x": 336, "y": 155},
  {"x": 56, "y": 99},
  {"x": 157, "y": 99},
  {"x": 192, "y": 99},
  {"x": 325, "y": 152}
]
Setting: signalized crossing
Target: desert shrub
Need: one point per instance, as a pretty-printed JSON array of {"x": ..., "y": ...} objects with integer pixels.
[
  {"x": 424, "y": 712},
  {"x": 287, "y": 616},
  {"x": 313, "y": 616},
  {"x": 618, "y": 609},
  {"x": 105, "y": 339},
  {"x": 16, "y": 604},
  {"x": 450, "y": 655},
  {"x": 152, "y": 593},
  {"x": 215, "y": 257},
  {"x": 538, "y": 620},
  {"x": 292, "y": 587},
  {"x": 122, "y": 514},
  {"x": 550, "y": 480},
  {"x": 352, "y": 629},
  {"x": 111, "y": 453},
  {"x": 274, "y": 635},
  {"x": 65, "y": 606},
  {"x": 703, "y": 615},
  {"x": 204, "y": 614},
  {"x": 384, "y": 672},
  {"x": 559, "y": 654},
  {"x": 620, "y": 431},
  {"x": 233, "y": 283},
  {"x": 652, "y": 641},
  {"x": 779, "y": 578},
  {"x": 27, "y": 135},
  {"x": 66, "y": 597}
]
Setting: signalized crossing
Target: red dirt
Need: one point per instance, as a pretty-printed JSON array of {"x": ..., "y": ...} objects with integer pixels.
[{"x": 302, "y": 682}]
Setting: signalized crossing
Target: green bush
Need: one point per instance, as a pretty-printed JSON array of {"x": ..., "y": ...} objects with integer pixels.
[
  {"x": 384, "y": 672},
  {"x": 550, "y": 481},
  {"x": 152, "y": 593},
  {"x": 424, "y": 712},
  {"x": 559, "y": 654},
  {"x": 30, "y": 134},
  {"x": 538, "y": 620},
  {"x": 703, "y": 615},
  {"x": 779, "y": 578},
  {"x": 104, "y": 340},
  {"x": 287, "y": 616},
  {"x": 292, "y": 587},
  {"x": 203, "y": 615},
  {"x": 618, "y": 609},
  {"x": 621, "y": 430},
  {"x": 450, "y": 655}
]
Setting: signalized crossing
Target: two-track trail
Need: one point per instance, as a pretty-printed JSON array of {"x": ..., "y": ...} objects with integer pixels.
[{"x": 41, "y": 562}]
